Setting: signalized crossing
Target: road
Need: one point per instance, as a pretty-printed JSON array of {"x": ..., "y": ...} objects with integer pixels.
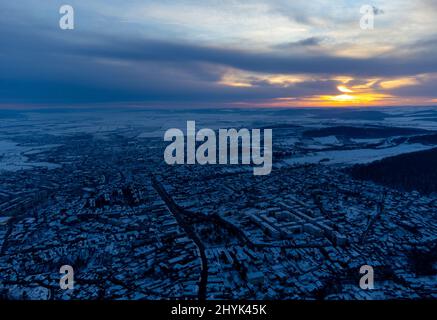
[{"x": 178, "y": 214}]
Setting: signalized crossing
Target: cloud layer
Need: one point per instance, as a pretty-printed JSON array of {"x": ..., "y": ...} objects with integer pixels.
[{"x": 277, "y": 53}]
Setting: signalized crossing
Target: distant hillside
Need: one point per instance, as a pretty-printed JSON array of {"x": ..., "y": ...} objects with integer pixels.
[
  {"x": 411, "y": 171},
  {"x": 352, "y": 115},
  {"x": 362, "y": 132},
  {"x": 425, "y": 139},
  {"x": 428, "y": 139},
  {"x": 11, "y": 114}
]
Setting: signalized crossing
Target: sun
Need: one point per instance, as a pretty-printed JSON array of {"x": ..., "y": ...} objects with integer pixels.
[{"x": 344, "y": 89}]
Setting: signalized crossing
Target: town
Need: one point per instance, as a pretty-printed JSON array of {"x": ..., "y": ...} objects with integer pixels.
[
  {"x": 206, "y": 153},
  {"x": 133, "y": 227}
]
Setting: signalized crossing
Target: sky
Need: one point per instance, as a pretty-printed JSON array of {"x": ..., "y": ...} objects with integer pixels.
[{"x": 219, "y": 53}]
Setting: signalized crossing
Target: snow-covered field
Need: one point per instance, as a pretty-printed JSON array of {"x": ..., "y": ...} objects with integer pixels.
[
  {"x": 330, "y": 140},
  {"x": 356, "y": 156},
  {"x": 146, "y": 123},
  {"x": 13, "y": 156}
]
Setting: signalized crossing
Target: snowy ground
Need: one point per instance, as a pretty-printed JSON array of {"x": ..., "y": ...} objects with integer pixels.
[
  {"x": 146, "y": 123},
  {"x": 355, "y": 156},
  {"x": 13, "y": 156}
]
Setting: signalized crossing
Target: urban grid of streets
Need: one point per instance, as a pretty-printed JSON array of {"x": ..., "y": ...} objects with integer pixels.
[{"x": 133, "y": 227}]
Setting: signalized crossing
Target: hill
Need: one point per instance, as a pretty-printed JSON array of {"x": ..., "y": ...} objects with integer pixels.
[{"x": 409, "y": 172}]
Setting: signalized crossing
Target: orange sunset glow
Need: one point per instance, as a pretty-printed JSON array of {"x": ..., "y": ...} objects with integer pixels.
[
  {"x": 348, "y": 92},
  {"x": 224, "y": 54}
]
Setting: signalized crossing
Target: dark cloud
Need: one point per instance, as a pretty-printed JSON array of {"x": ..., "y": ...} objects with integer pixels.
[
  {"x": 274, "y": 62},
  {"x": 313, "y": 41},
  {"x": 308, "y": 42},
  {"x": 424, "y": 89},
  {"x": 45, "y": 64}
]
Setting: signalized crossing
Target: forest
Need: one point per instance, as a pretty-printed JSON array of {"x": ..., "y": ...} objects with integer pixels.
[{"x": 415, "y": 171}]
